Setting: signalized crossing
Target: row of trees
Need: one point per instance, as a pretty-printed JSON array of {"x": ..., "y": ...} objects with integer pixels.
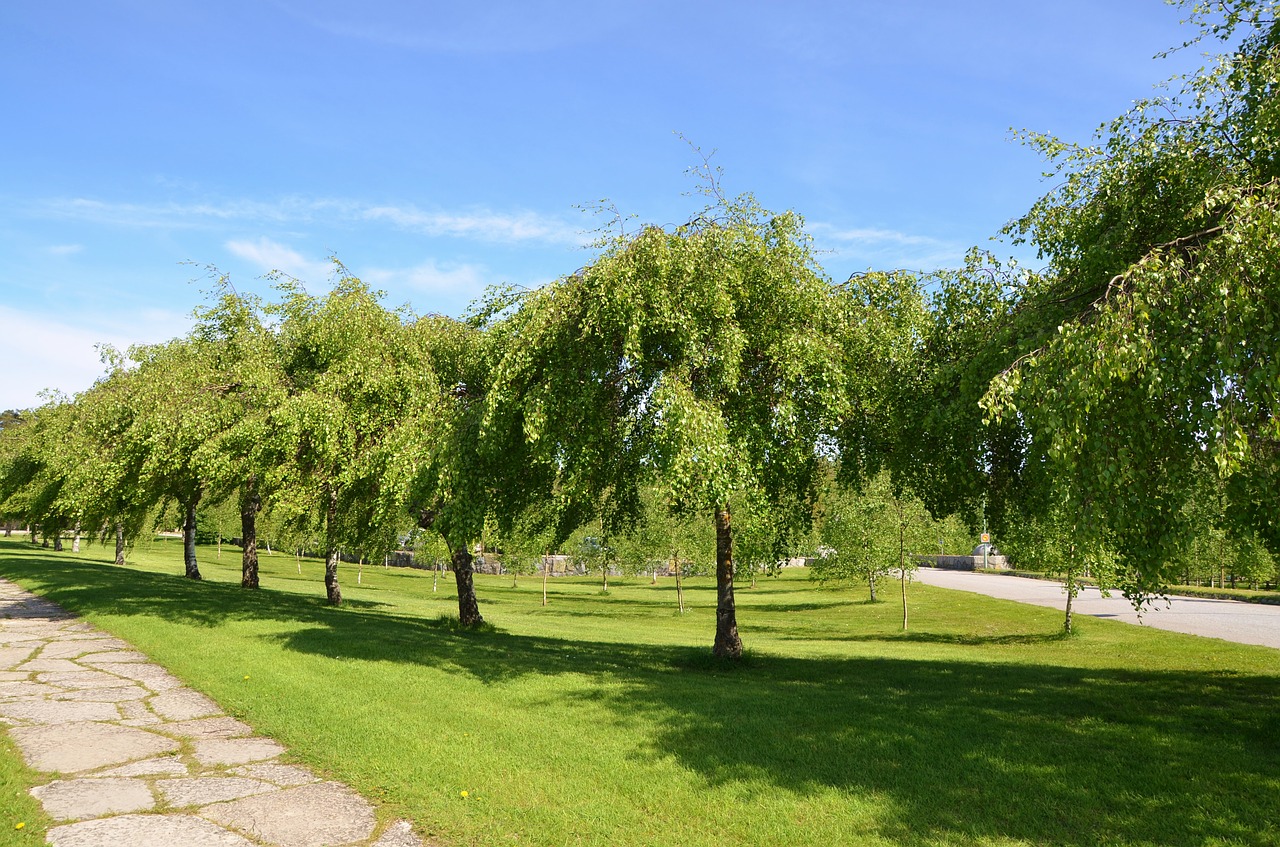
[
  {"x": 1108, "y": 409},
  {"x": 694, "y": 367}
]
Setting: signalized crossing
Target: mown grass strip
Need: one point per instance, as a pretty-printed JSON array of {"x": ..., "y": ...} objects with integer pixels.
[{"x": 602, "y": 718}]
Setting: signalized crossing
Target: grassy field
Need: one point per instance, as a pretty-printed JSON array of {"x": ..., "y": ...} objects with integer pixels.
[{"x": 602, "y": 719}]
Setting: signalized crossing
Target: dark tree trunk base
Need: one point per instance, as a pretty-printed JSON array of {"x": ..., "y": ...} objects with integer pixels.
[
  {"x": 728, "y": 644},
  {"x": 332, "y": 591},
  {"x": 463, "y": 575},
  {"x": 189, "y": 540}
]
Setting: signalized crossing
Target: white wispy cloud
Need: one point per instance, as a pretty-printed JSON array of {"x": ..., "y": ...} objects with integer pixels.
[
  {"x": 887, "y": 248},
  {"x": 65, "y": 249},
  {"x": 61, "y": 355},
  {"x": 456, "y": 281},
  {"x": 268, "y": 255},
  {"x": 481, "y": 225},
  {"x": 478, "y": 224}
]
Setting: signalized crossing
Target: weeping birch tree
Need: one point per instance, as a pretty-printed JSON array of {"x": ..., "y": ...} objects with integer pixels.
[
  {"x": 1156, "y": 322},
  {"x": 346, "y": 379},
  {"x": 700, "y": 359}
]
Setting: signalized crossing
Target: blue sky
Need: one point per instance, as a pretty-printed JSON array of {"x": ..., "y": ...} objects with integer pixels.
[{"x": 436, "y": 148}]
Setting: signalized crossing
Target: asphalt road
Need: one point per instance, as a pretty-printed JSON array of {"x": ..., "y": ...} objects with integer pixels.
[{"x": 1231, "y": 620}]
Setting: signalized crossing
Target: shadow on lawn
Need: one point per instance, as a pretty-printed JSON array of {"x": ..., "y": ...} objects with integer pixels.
[{"x": 964, "y": 752}]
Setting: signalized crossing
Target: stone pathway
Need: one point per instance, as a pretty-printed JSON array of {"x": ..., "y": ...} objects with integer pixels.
[{"x": 134, "y": 757}]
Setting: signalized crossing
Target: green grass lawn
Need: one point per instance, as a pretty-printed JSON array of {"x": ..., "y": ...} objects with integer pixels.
[
  {"x": 602, "y": 719},
  {"x": 22, "y": 821}
]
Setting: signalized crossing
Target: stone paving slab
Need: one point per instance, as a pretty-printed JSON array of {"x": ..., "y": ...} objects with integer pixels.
[
  {"x": 220, "y": 727},
  {"x": 399, "y": 834},
  {"x": 165, "y": 766},
  {"x": 127, "y": 737},
  {"x": 47, "y": 665},
  {"x": 282, "y": 775},
  {"x": 153, "y": 677},
  {"x": 203, "y": 790},
  {"x": 236, "y": 751},
  {"x": 106, "y": 695},
  {"x": 78, "y": 747},
  {"x": 78, "y": 647},
  {"x": 10, "y": 656},
  {"x": 81, "y": 678},
  {"x": 145, "y": 831},
  {"x": 24, "y": 689},
  {"x": 77, "y": 799},
  {"x": 325, "y": 813},
  {"x": 183, "y": 705},
  {"x": 59, "y": 711},
  {"x": 114, "y": 656}
]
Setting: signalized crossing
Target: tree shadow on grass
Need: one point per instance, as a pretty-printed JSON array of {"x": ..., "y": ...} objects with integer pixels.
[
  {"x": 918, "y": 637},
  {"x": 965, "y": 752}
]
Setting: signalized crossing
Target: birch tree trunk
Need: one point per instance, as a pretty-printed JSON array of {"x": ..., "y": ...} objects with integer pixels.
[
  {"x": 728, "y": 643},
  {"x": 189, "y": 539},
  {"x": 332, "y": 591},
  {"x": 464, "y": 576},
  {"x": 250, "y": 505}
]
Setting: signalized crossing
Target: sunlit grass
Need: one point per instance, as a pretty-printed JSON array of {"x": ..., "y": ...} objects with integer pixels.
[
  {"x": 22, "y": 821},
  {"x": 602, "y": 719}
]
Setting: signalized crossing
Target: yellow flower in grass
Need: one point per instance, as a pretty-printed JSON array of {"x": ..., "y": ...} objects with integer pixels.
[
  {"x": 464, "y": 794},
  {"x": 19, "y": 825}
]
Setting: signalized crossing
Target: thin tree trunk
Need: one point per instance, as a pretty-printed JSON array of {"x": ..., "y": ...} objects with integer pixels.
[
  {"x": 189, "y": 540},
  {"x": 57, "y": 541},
  {"x": 1071, "y": 595},
  {"x": 250, "y": 505},
  {"x": 902, "y": 566},
  {"x": 546, "y": 571},
  {"x": 333, "y": 592},
  {"x": 8, "y": 531},
  {"x": 119, "y": 544},
  {"x": 903, "y": 578},
  {"x": 1071, "y": 586},
  {"x": 331, "y": 556},
  {"x": 675, "y": 563},
  {"x": 463, "y": 575},
  {"x": 728, "y": 644},
  {"x": 75, "y": 539}
]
